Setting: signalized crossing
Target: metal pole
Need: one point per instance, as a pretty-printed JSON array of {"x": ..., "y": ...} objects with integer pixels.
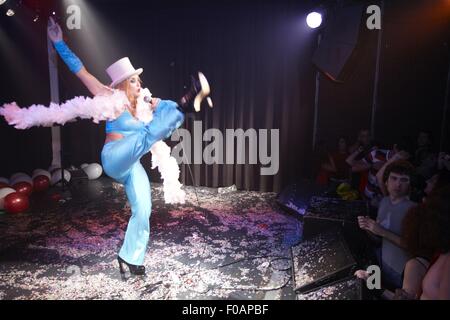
[
  {"x": 377, "y": 75},
  {"x": 316, "y": 100},
  {"x": 54, "y": 96}
]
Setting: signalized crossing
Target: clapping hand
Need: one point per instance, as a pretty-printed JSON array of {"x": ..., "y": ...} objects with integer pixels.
[
  {"x": 362, "y": 274},
  {"x": 369, "y": 224}
]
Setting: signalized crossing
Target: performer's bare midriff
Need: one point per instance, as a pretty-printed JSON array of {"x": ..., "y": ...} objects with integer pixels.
[{"x": 113, "y": 137}]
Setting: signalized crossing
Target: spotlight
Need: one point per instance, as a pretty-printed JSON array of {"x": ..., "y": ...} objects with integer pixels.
[
  {"x": 53, "y": 13},
  {"x": 2, "y": 2},
  {"x": 314, "y": 20},
  {"x": 10, "y": 12},
  {"x": 36, "y": 18}
]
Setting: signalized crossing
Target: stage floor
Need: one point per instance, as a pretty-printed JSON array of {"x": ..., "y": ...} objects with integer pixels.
[{"x": 226, "y": 246}]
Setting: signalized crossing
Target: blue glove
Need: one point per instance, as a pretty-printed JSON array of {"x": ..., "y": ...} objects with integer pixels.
[{"x": 71, "y": 60}]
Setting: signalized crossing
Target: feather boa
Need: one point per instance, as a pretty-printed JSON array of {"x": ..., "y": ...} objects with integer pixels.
[
  {"x": 101, "y": 108},
  {"x": 161, "y": 158}
]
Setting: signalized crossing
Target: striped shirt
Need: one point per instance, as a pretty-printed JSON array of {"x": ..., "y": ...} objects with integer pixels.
[{"x": 377, "y": 156}]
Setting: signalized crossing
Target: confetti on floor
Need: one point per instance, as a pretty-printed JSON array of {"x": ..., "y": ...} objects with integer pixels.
[{"x": 232, "y": 245}]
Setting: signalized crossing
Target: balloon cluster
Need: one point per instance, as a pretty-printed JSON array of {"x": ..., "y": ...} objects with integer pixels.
[
  {"x": 15, "y": 191},
  {"x": 57, "y": 175},
  {"x": 93, "y": 170}
]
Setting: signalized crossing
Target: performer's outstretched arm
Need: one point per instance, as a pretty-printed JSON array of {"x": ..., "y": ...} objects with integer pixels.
[
  {"x": 94, "y": 86},
  {"x": 73, "y": 62}
]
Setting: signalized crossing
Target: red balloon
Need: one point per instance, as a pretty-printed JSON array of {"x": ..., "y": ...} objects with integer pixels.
[
  {"x": 4, "y": 185},
  {"x": 55, "y": 197},
  {"x": 23, "y": 187},
  {"x": 41, "y": 183},
  {"x": 16, "y": 202}
]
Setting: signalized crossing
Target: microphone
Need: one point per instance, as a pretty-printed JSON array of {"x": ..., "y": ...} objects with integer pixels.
[{"x": 147, "y": 95}]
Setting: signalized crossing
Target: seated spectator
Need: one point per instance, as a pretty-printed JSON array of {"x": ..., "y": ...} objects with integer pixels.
[
  {"x": 362, "y": 141},
  {"x": 419, "y": 233},
  {"x": 426, "y": 235},
  {"x": 388, "y": 224},
  {"x": 373, "y": 162},
  {"x": 438, "y": 181},
  {"x": 320, "y": 156},
  {"x": 444, "y": 161},
  {"x": 381, "y": 174},
  {"x": 334, "y": 165},
  {"x": 436, "y": 283},
  {"x": 424, "y": 159},
  {"x": 362, "y": 147},
  {"x": 341, "y": 168},
  {"x": 420, "y": 241}
]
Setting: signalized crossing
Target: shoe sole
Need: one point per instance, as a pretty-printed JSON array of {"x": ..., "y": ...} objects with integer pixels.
[
  {"x": 203, "y": 92},
  {"x": 210, "y": 103}
]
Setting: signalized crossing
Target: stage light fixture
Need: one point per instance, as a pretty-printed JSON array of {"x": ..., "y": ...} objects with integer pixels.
[
  {"x": 2, "y": 2},
  {"x": 10, "y": 12},
  {"x": 314, "y": 20}
]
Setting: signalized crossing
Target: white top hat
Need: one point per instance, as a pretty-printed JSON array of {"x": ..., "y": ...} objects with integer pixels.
[{"x": 121, "y": 70}]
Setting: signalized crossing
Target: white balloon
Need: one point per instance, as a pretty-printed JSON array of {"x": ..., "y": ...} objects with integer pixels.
[
  {"x": 53, "y": 167},
  {"x": 21, "y": 178},
  {"x": 84, "y": 165},
  {"x": 41, "y": 172},
  {"x": 16, "y": 175},
  {"x": 36, "y": 170},
  {"x": 93, "y": 171},
  {"x": 4, "y": 180},
  {"x": 56, "y": 177},
  {"x": 3, "y": 193}
]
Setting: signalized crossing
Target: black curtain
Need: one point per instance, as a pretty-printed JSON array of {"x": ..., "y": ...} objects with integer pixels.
[
  {"x": 414, "y": 67},
  {"x": 24, "y": 78},
  {"x": 256, "y": 56}
]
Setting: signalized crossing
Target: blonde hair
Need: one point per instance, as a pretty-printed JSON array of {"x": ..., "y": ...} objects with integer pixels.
[{"x": 124, "y": 86}]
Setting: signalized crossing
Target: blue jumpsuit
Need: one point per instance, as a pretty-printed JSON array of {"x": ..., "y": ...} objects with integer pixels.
[{"x": 121, "y": 161}]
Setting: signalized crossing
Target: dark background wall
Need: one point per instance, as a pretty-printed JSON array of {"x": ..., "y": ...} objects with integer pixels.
[
  {"x": 257, "y": 56},
  {"x": 414, "y": 66}
]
